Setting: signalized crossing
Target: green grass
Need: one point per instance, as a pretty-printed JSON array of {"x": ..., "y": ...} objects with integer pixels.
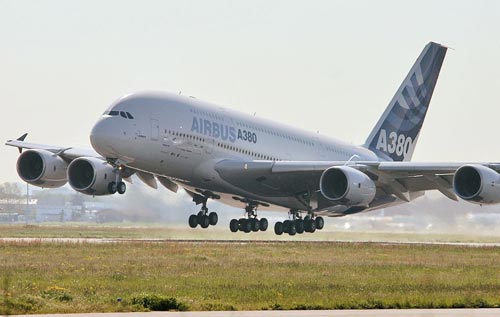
[{"x": 80, "y": 277}]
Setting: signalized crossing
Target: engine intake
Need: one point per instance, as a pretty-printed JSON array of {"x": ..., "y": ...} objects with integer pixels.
[
  {"x": 41, "y": 168},
  {"x": 477, "y": 184},
  {"x": 91, "y": 176},
  {"x": 348, "y": 186}
]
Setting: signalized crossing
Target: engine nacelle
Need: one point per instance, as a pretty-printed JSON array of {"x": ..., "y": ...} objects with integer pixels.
[
  {"x": 91, "y": 176},
  {"x": 477, "y": 184},
  {"x": 347, "y": 185},
  {"x": 42, "y": 168}
]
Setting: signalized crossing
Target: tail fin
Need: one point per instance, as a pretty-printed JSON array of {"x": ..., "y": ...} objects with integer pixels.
[{"x": 396, "y": 133}]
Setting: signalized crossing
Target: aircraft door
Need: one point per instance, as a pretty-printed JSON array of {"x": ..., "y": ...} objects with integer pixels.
[{"x": 155, "y": 130}]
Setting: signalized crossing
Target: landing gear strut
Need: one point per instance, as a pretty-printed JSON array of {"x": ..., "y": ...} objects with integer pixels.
[
  {"x": 203, "y": 218},
  {"x": 250, "y": 223},
  {"x": 298, "y": 224}
]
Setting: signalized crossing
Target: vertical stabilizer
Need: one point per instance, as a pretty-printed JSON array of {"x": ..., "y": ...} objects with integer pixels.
[{"x": 396, "y": 133}]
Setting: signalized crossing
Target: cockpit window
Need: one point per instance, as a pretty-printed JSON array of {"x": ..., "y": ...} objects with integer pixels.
[{"x": 124, "y": 114}]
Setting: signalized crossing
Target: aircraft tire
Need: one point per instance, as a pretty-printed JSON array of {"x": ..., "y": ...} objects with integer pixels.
[
  {"x": 299, "y": 226},
  {"x": 241, "y": 222},
  {"x": 278, "y": 228},
  {"x": 121, "y": 188},
  {"x": 247, "y": 226},
  {"x": 244, "y": 225},
  {"x": 193, "y": 221},
  {"x": 286, "y": 226},
  {"x": 233, "y": 225},
  {"x": 263, "y": 224},
  {"x": 112, "y": 188},
  {"x": 213, "y": 218},
  {"x": 312, "y": 226},
  {"x": 255, "y": 224},
  {"x": 205, "y": 222},
  {"x": 307, "y": 225},
  {"x": 292, "y": 230},
  {"x": 320, "y": 223}
]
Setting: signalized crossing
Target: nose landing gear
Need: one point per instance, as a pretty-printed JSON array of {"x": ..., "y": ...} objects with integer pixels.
[{"x": 117, "y": 187}]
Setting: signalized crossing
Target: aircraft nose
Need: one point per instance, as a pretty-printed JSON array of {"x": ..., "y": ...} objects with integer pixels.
[{"x": 100, "y": 136}]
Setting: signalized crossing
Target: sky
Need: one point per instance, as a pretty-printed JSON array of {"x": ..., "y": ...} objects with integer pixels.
[{"x": 327, "y": 66}]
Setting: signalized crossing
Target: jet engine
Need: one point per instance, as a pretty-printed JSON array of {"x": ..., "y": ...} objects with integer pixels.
[
  {"x": 347, "y": 186},
  {"x": 92, "y": 176},
  {"x": 42, "y": 168},
  {"x": 477, "y": 184}
]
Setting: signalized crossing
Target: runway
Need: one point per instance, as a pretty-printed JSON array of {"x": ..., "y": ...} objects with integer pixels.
[
  {"x": 486, "y": 312},
  {"x": 240, "y": 242}
]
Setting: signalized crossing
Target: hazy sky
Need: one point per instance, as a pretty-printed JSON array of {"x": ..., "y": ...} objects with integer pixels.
[{"x": 331, "y": 66}]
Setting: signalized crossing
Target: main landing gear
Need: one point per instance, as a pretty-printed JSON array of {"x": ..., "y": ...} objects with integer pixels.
[
  {"x": 298, "y": 225},
  {"x": 203, "y": 218},
  {"x": 249, "y": 224}
]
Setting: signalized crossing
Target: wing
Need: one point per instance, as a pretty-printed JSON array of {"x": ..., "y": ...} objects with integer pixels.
[
  {"x": 395, "y": 181},
  {"x": 67, "y": 153}
]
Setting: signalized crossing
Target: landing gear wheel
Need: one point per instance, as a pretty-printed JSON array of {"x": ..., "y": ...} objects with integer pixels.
[
  {"x": 292, "y": 230},
  {"x": 263, "y": 224},
  {"x": 308, "y": 223},
  {"x": 278, "y": 228},
  {"x": 112, "y": 188},
  {"x": 193, "y": 221},
  {"x": 286, "y": 226},
  {"x": 205, "y": 222},
  {"x": 312, "y": 226},
  {"x": 245, "y": 225},
  {"x": 199, "y": 216},
  {"x": 255, "y": 224},
  {"x": 320, "y": 223},
  {"x": 213, "y": 218},
  {"x": 299, "y": 226},
  {"x": 233, "y": 225},
  {"x": 121, "y": 188}
]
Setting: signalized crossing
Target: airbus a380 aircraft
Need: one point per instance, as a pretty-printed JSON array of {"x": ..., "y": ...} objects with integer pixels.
[{"x": 251, "y": 163}]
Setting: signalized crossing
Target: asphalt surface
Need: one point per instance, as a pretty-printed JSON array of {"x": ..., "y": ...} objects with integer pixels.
[
  {"x": 495, "y": 312},
  {"x": 119, "y": 240}
]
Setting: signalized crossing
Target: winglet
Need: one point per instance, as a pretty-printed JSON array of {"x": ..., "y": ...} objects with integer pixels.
[{"x": 21, "y": 138}]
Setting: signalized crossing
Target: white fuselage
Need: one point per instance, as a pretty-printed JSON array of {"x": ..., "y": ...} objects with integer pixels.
[{"x": 183, "y": 138}]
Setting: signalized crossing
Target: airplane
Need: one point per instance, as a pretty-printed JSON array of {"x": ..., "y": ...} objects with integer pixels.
[{"x": 215, "y": 153}]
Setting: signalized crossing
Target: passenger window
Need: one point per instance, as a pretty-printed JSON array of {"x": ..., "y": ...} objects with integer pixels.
[
  {"x": 122, "y": 113},
  {"x": 113, "y": 113},
  {"x": 129, "y": 115}
]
